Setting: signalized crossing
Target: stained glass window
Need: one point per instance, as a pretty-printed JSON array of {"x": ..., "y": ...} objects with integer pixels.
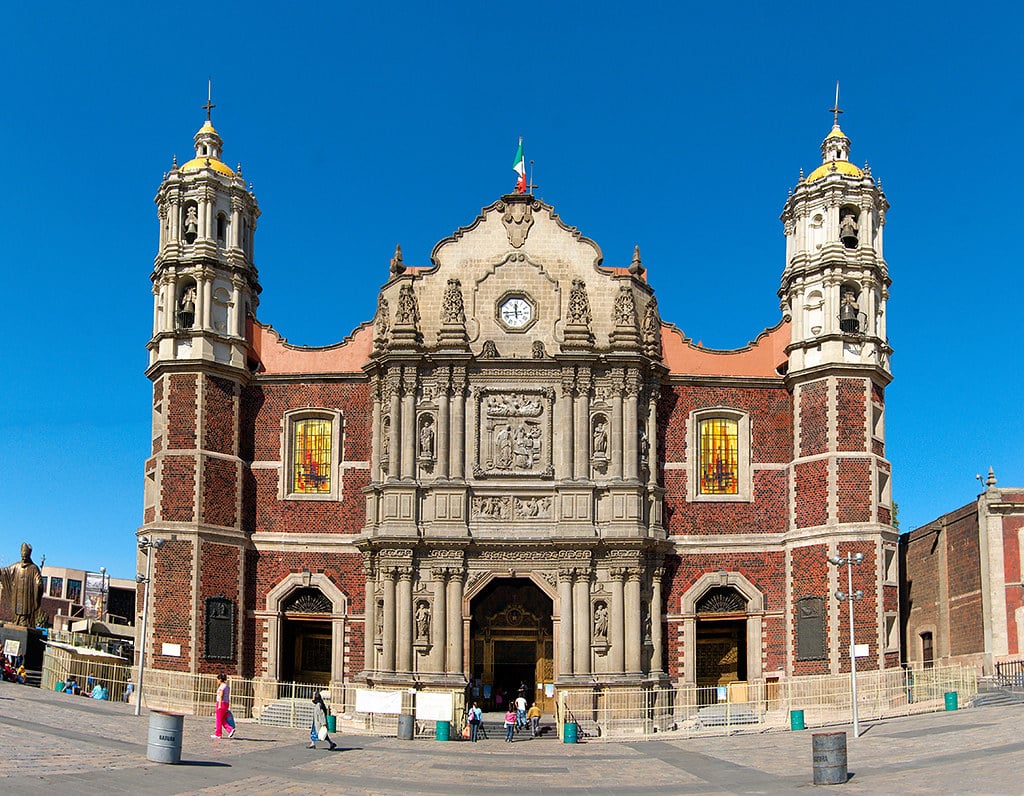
[
  {"x": 311, "y": 457},
  {"x": 719, "y": 457}
]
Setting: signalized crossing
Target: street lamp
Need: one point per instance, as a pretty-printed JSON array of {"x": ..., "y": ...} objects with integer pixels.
[
  {"x": 147, "y": 545},
  {"x": 849, "y": 596}
]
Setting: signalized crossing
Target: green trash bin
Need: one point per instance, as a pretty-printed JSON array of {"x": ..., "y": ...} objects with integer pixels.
[
  {"x": 952, "y": 702},
  {"x": 796, "y": 719},
  {"x": 332, "y": 724},
  {"x": 442, "y": 730},
  {"x": 58, "y": 686},
  {"x": 571, "y": 732}
]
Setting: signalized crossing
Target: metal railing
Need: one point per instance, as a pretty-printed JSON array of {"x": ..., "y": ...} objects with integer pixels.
[
  {"x": 59, "y": 665},
  {"x": 1010, "y": 674},
  {"x": 690, "y": 711}
]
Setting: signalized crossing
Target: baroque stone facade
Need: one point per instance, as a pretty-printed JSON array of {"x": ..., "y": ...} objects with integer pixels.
[{"x": 516, "y": 472}]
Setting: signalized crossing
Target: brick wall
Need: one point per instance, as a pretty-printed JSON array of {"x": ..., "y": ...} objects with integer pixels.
[
  {"x": 810, "y": 579},
  {"x": 219, "y": 575},
  {"x": 1012, "y": 526},
  {"x": 963, "y": 570},
  {"x": 181, "y": 411},
  {"x": 172, "y": 604},
  {"x": 811, "y": 493},
  {"x": 813, "y": 418},
  {"x": 851, "y": 415},
  {"x": 178, "y": 488},
  {"x": 854, "y": 490},
  {"x": 220, "y": 491}
]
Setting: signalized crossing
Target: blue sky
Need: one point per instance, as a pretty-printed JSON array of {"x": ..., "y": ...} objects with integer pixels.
[{"x": 676, "y": 126}]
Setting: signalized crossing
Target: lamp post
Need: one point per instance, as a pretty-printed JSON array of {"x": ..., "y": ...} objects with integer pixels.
[
  {"x": 849, "y": 596},
  {"x": 147, "y": 545}
]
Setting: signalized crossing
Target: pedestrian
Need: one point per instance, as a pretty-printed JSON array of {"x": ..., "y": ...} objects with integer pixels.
[
  {"x": 318, "y": 731},
  {"x": 222, "y": 705},
  {"x": 510, "y": 724},
  {"x": 533, "y": 714},
  {"x": 129, "y": 690},
  {"x": 99, "y": 691},
  {"x": 475, "y": 717},
  {"x": 520, "y": 704}
]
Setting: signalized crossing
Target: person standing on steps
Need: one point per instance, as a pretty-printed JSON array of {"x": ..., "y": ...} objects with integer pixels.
[
  {"x": 222, "y": 704},
  {"x": 475, "y": 717},
  {"x": 533, "y": 714},
  {"x": 510, "y": 724},
  {"x": 520, "y": 704},
  {"x": 318, "y": 732}
]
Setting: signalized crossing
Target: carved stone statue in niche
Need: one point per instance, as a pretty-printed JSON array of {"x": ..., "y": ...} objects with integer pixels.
[
  {"x": 385, "y": 439},
  {"x": 427, "y": 438},
  {"x": 379, "y": 620},
  {"x": 600, "y": 438},
  {"x": 600, "y": 621},
  {"x": 422, "y": 621}
]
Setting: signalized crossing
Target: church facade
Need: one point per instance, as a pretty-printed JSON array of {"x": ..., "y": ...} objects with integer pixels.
[{"x": 517, "y": 471}]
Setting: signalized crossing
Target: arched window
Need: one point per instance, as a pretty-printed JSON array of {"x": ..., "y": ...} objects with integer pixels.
[
  {"x": 222, "y": 228},
  {"x": 312, "y": 455},
  {"x": 718, "y": 454}
]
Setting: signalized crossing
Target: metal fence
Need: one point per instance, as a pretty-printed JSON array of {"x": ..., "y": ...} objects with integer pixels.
[
  {"x": 60, "y": 664},
  {"x": 1010, "y": 674},
  {"x": 686, "y": 712}
]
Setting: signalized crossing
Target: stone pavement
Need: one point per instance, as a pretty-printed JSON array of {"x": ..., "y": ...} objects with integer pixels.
[{"x": 57, "y": 744}]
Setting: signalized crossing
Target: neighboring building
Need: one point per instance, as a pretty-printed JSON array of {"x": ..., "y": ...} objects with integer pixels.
[
  {"x": 518, "y": 472},
  {"x": 961, "y": 595},
  {"x": 87, "y": 595}
]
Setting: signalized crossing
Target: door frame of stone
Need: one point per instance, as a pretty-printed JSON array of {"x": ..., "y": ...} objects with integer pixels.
[
  {"x": 754, "y": 617},
  {"x": 274, "y": 616}
]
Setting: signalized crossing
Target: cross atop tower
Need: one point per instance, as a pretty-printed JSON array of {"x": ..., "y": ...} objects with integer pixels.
[
  {"x": 209, "y": 106},
  {"x": 835, "y": 110}
]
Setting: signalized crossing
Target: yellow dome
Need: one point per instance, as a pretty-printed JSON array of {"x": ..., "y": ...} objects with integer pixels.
[
  {"x": 837, "y": 167},
  {"x": 198, "y": 164},
  {"x": 836, "y": 133}
]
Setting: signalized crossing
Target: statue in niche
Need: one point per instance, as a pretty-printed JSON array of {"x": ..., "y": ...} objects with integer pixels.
[
  {"x": 601, "y": 622},
  {"x": 427, "y": 438},
  {"x": 645, "y": 446},
  {"x": 385, "y": 438},
  {"x": 380, "y": 620},
  {"x": 422, "y": 621},
  {"x": 191, "y": 222},
  {"x": 600, "y": 438},
  {"x": 23, "y": 583}
]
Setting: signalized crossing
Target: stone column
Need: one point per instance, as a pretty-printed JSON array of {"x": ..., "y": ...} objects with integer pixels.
[
  {"x": 408, "y": 420},
  {"x": 458, "y": 458},
  {"x": 170, "y": 303},
  {"x": 375, "y": 441},
  {"x": 439, "y": 622},
  {"x": 236, "y": 325},
  {"x": 370, "y": 614},
  {"x": 443, "y": 433},
  {"x": 652, "y": 436},
  {"x": 581, "y": 623},
  {"x": 174, "y": 232},
  {"x": 633, "y": 629},
  {"x": 208, "y": 233},
  {"x": 565, "y": 631},
  {"x": 403, "y": 661},
  {"x": 236, "y": 223},
  {"x": 566, "y": 410},
  {"x": 616, "y": 443},
  {"x": 657, "y": 642},
  {"x": 207, "y": 291},
  {"x": 617, "y": 636},
  {"x": 631, "y": 429},
  {"x": 581, "y": 448},
  {"x": 394, "y": 423},
  {"x": 455, "y": 663},
  {"x": 388, "y": 657}
]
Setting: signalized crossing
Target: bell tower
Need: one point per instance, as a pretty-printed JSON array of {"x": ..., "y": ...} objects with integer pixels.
[
  {"x": 204, "y": 279},
  {"x": 834, "y": 288},
  {"x": 204, "y": 287}
]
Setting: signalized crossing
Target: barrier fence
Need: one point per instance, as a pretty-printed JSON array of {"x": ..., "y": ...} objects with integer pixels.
[
  {"x": 600, "y": 712},
  {"x": 684, "y": 712}
]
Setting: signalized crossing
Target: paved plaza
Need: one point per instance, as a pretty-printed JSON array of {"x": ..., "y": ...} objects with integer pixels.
[{"x": 58, "y": 744}]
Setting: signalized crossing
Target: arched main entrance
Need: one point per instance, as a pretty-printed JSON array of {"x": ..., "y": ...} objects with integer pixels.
[
  {"x": 511, "y": 643},
  {"x": 721, "y": 637},
  {"x": 306, "y": 638}
]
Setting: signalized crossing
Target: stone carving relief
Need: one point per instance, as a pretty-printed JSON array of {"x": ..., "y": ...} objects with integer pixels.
[
  {"x": 579, "y": 304},
  {"x": 489, "y": 350},
  {"x": 651, "y": 329},
  {"x": 422, "y": 621},
  {"x": 538, "y": 350},
  {"x": 452, "y": 307},
  {"x": 601, "y": 621},
  {"x": 491, "y": 507},
  {"x": 532, "y": 508},
  {"x": 518, "y": 218},
  {"x": 426, "y": 439},
  {"x": 408, "y": 313},
  {"x": 381, "y": 324},
  {"x": 624, "y": 310},
  {"x": 514, "y": 434}
]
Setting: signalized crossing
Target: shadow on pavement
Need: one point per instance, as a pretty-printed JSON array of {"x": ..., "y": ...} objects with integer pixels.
[{"x": 204, "y": 763}]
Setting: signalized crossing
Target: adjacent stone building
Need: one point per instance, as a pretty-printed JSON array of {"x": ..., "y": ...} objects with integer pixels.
[
  {"x": 962, "y": 599},
  {"x": 517, "y": 472}
]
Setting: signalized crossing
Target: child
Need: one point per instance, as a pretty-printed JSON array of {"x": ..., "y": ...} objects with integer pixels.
[{"x": 510, "y": 724}]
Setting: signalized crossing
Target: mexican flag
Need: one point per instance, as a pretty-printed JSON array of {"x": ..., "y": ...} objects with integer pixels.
[{"x": 519, "y": 167}]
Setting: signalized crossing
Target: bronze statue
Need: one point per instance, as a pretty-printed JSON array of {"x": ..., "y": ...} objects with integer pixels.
[{"x": 24, "y": 583}]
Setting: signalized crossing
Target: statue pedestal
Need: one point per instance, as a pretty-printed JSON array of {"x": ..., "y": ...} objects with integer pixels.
[{"x": 29, "y": 641}]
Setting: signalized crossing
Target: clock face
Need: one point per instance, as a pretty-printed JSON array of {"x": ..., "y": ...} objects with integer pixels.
[{"x": 515, "y": 313}]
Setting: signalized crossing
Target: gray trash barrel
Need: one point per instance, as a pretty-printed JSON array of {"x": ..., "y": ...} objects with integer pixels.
[
  {"x": 829, "y": 752},
  {"x": 165, "y": 731},
  {"x": 405, "y": 727}
]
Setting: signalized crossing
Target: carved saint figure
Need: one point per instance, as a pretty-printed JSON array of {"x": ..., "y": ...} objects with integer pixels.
[
  {"x": 600, "y": 438},
  {"x": 427, "y": 439},
  {"x": 503, "y": 448},
  {"x": 191, "y": 221},
  {"x": 24, "y": 584},
  {"x": 422, "y": 621},
  {"x": 601, "y": 621},
  {"x": 380, "y": 620},
  {"x": 526, "y": 446}
]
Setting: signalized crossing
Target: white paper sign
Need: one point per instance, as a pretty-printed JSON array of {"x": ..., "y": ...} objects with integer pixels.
[
  {"x": 434, "y": 707},
  {"x": 378, "y": 701},
  {"x": 860, "y": 650},
  {"x": 171, "y": 650},
  {"x": 12, "y": 647}
]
